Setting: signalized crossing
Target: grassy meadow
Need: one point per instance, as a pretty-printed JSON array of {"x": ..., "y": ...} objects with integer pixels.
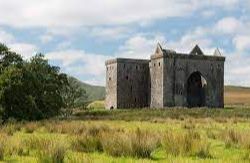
[{"x": 138, "y": 135}]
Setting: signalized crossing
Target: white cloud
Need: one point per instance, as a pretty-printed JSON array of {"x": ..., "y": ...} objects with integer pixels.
[
  {"x": 242, "y": 42},
  {"x": 90, "y": 64},
  {"x": 110, "y": 33},
  {"x": 229, "y": 25},
  {"x": 140, "y": 47},
  {"x": 25, "y": 49},
  {"x": 77, "y": 13}
]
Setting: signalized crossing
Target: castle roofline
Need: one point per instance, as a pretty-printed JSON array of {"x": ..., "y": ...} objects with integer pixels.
[
  {"x": 188, "y": 56},
  {"x": 127, "y": 60},
  {"x": 196, "y": 53}
]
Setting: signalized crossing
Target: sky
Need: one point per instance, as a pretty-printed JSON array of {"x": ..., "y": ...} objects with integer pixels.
[{"x": 79, "y": 35}]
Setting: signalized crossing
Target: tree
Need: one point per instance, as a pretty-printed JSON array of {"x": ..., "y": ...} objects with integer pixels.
[
  {"x": 71, "y": 94},
  {"x": 8, "y": 58},
  {"x": 30, "y": 90}
]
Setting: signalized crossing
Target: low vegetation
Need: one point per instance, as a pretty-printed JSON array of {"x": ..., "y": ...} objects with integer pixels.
[{"x": 156, "y": 135}]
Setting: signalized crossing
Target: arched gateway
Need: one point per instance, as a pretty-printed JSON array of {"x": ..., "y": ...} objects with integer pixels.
[
  {"x": 196, "y": 90},
  {"x": 167, "y": 79}
]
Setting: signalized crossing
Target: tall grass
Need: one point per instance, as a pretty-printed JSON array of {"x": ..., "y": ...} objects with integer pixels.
[
  {"x": 3, "y": 139},
  {"x": 48, "y": 149},
  {"x": 235, "y": 138},
  {"x": 138, "y": 144},
  {"x": 186, "y": 144},
  {"x": 86, "y": 143},
  {"x": 55, "y": 152}
]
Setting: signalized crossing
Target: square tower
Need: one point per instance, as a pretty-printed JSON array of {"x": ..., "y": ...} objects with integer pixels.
[{"x": 127, "y": 83}]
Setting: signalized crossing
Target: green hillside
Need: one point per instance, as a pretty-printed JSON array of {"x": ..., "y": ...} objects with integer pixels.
[{"x": 93, "y": 92}]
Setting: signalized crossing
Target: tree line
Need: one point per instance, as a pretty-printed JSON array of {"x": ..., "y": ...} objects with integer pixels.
[{"x": 33, "y": 89}]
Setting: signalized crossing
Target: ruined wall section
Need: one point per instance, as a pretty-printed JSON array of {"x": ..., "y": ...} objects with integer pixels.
[
  {"x": 132, "y": 83},
  {"x": 111, "y": 84}
]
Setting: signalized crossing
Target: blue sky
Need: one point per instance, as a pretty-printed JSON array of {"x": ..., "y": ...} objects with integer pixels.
[{"x": 79, "y": 35}]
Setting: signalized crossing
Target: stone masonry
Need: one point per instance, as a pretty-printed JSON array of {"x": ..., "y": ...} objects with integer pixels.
[{"x": 168, "y": 79}]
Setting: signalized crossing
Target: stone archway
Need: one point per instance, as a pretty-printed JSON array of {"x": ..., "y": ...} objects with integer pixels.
[{"x": 196, "y": 90}]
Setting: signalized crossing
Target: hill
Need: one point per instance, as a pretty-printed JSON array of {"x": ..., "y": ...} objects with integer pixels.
[
  {"x": 236, "y": 95},
  {"x": 93, "y": 92}
]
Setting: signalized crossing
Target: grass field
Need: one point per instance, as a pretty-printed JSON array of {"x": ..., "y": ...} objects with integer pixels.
[
  {"x": 173, "y": 135},
  {"x": 135, "y": 135}
]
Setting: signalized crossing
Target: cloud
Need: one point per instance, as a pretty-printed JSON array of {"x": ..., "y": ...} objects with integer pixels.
[
  {"x": 229, "y": 25},
  {"x": 242, "y": 42},
  {"x": 237, "y": 68},
  {"x": 25, "y": 49},
  {"x": 5, "y": 37},
  {"x": 80, "y": 62},
  {"x": 140, "y": 46},
  {"x": 77, "y": 13},
  {"x": 110, "y": 33}
]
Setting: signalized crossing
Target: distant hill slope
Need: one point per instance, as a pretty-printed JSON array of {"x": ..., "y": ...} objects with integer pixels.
[
  {"x": 235, "y": 95},
  {"x": 94, "y": 92}
]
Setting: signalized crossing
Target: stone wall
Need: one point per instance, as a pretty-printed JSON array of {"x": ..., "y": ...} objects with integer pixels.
[
  {"x": 156, "y": 75},
  {"x": 133, "y": 83},
  {"x": 111, "y": 84},
  {"x": 179, "y": 67}
]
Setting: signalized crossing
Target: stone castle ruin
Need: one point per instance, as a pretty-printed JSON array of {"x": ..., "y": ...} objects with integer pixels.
[{"x": 168, "y": 79}]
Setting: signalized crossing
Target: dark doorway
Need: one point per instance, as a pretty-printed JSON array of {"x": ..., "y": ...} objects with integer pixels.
[{"x": 196, "y": 93}]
